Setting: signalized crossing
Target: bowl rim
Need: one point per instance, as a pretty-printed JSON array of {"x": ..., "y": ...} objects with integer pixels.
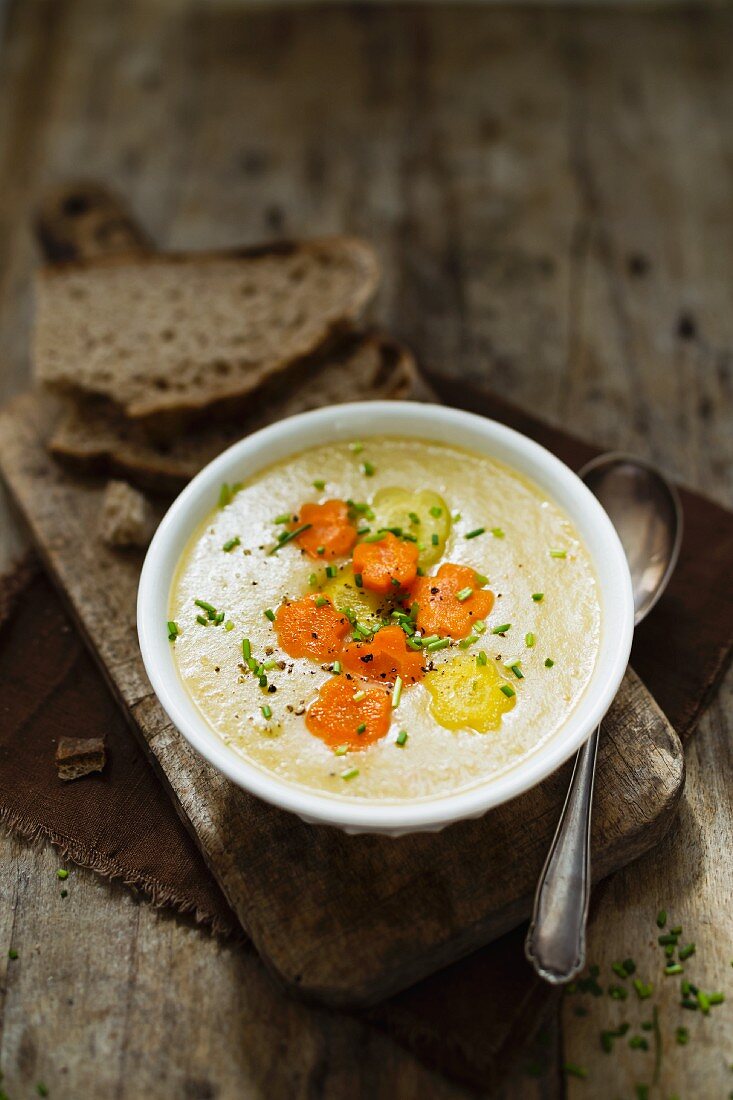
[{"x": 429, "y": 422}]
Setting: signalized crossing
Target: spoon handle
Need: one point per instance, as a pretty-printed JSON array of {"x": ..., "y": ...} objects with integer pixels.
[{"x": 555, "y": 943}]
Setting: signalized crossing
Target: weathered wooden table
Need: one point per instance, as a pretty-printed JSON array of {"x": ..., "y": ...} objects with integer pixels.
[{"x": 550, "y": 194}]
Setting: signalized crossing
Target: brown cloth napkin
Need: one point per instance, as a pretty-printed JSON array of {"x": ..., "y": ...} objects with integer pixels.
[{"x": 122, "y": 823}]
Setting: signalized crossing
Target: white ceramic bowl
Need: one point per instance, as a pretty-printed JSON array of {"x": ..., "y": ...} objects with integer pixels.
[{"x": 345, "y": 422}]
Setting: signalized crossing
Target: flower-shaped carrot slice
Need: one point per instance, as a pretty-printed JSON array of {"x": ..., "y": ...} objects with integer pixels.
[
  {"x": 387, "y": 565},
  {"x": 450, "y": 602},
  {"x": 330, "y": 533},
  {"x": 384, "y": 658},
  {"x": 310, "y": 627},
  {"x": 349, "y": 712}
]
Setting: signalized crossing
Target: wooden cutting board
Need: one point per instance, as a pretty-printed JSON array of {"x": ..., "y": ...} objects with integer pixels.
[{"x": 343, "y": 920}]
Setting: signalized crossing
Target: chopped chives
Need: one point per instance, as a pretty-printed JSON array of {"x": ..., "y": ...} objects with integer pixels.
[
  {"x": 481, "y": 658},
  {"x": 466, "y": 642},
  {"x": 549, "y": 662},
  {"x": 341, "y": 750},
  {"x": 62, "y": 874},
  {"x": 480, "y": 627},
  {"x": 231, "y": 543},
  {"x": 643, "y": 991},
  {"x": 672, "y": 969},
  {"x": 475, "y": 534},
  {"x": 661, "y": 918},
  {"x": 497, "y": 532},
  {"x": 173, "y": 630},
  {"x": 464, "y": 594},
  {"x": 538, "y": 597},
  {"x": 481, "y": 580},
  {"x": 312, "y": 580},
  {"x": 434, "y": 539},
  {"x": 456, "y": 517},
  {"x": 668, "y": 938},
  {"x": 436, "y": 511},
  {"x": 350, "y": 774},
  {"x": 12, "y": 953},
  {"x": 246, "y": 649},
  {"x": 228, "y": 625},
  {"x": 704, "y": 1002},
  {"x": 202, "y": 620},
  {"x": 502, "y": 628},
  {"x": 266, "y": 710},
  {"x": 676, "y": 931},
  {"x": 714, "y": 998},
  {"x": 336, "y": 667},
  {"x": 207, "y": 607},
  {"x": 331, "y": 570},
  {"x": 251, "y": 664},
  {"x": 320, "y": 549},
  {"x": 558, "y": 553},
  {"x": 681, "y": 1036},
  {"x": 359, "y": 695},
  {"x": 401, "y": 737},
  {"x": 290, "y": 535},
  {"x": 269, "y": 665},
  {"x": 529, "y": 640},
  {"x": 685, "y": 952},
  {"x": 361, "y": 727},
  {"x": 508, "y": 690},
  {"x": 358, "y": 580},
  {"x": 440, "y": 643},
  {"x": 377, "y": 537},
  {"x": 270, "y": 614},
  {"x": 638, "y": 1042},
  {"x": 397, "y": 693},
  {"x": 319, "y": 484},
  {"x": 574, "y": 1070},
  {"x": 285, "y": 517},
  {"x": 219, "y": 617},
  {"x": 394, "y": 582},
  {"x": 368, "y": 469},
  {"x": 414, "y": 518},
  {"x": 321, "y": 601},
  {"x": 227, "y": 493},
  {"x": 414, "y": 608},
  {"x": 363, "y": 531},
  {"x": 262, "y": 680},
  {"x": 516, "y": 670},
  {"x": 356, "y": 447}
]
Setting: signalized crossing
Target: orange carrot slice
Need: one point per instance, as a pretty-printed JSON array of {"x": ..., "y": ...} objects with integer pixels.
[
  {"x": 311, "y": 627},
  {"x": 331, "y": 533},
  {"x": 384, "y": 658},
  {"x": 439, "y": 609},
  {"x": 338, "y": 718},
  {"x": 387, "y": 565}
]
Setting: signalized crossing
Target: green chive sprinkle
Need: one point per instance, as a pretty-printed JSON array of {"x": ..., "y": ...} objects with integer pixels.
[
  {"x": 12, "y": 953},
  {"x": 270, "y": 614},
  {"x": 673, "y": 969},
  {"x": 358, "y": 580},
  {"x": 538, "y": 597},
  {"x": 558, "y": 553},
  {"x": 266, "y": 710},
  {"x": 643, "y": 991},
  {"x": 475, "y": 534},
  {"x": 331, "y": 571},
  {"x": 320, "y": 549},
  {"x": 481, "y": 658},
  {"x": 359, "y": 695},
  {"x": 229, "y": 625},
  {"x": 336, "y": 667},
  {"x": 466, "y": 642},
  {"x": 440, "y": 643},
  {"x": 397, "y": 693},
  {"x": 516, "y": 670},
  {"x": 350, "y": 774},
  {"x": 436, "y": 511},
  {"x": 414, "y": 518},
  {"x": 497, "y": 532},
  {"x": 356, "y": 447},
  {"x": 62, "y": 874},
  {"x": 269, "y": 665},
  {"x": 361, "y": 727},
  {"x": 341, "y": 750},
  {"x": 681, "y": 1036},
  {"x": 286, "y": 538},
  {"x": 508, "y": 690},
  {"x": 262, "y": 681},
  {"x": 246, "y": 649},
  {"x": 502, "y": 629},
  {"x": 227, "y": 493},
  {"x": 677, "y": 931},
  {"x": 434, "y": 539},
  {"x": 480, "y": 627},
  {"x": 667, "y": 938},
  {"x": 715, "y": 998},
  {"x": 312, "y": 580},
  {"x": 549, "y": 662},
  {"x": 464, "y": 594},
  {"x": 685, "y": 952},
  {"x": 319, "y": 484},
  {"x": 481, "y": 580},
  {"x": 219, "y": 617},
  {"x": 529, "y": 640},
  {"x": 369, "y": 469},
  {"x": 42, "y": 1089},
  {"x": 401, "y": 738},
  {"x": 638, "y": 1042},
  {"x": 231, "y": 543},
  {"x": 173, "y": 630},
  {"x": 661, "y": 918},
  {"x": 321, "y": 601},
  {"x": 203, "y": 621},
  {"x": 285, "y": 517},
  {"x": 205, "y": 606}
]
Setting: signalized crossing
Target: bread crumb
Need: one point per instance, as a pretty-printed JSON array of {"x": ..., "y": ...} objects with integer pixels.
[
  {"x": 126, "y": 518},
  {"x": 78, "y": 756}
]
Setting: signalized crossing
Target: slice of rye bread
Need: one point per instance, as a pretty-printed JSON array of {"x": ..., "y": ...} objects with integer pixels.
[
  {"x": 93, "y": 437},
  {"x": 183, "y": 332}
]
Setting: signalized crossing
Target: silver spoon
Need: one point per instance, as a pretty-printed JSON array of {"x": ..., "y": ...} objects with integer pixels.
[{"x": 645, "y": 510}]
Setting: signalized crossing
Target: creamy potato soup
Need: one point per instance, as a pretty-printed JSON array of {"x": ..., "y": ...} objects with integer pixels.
[{"x": 396, "y": 619}]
